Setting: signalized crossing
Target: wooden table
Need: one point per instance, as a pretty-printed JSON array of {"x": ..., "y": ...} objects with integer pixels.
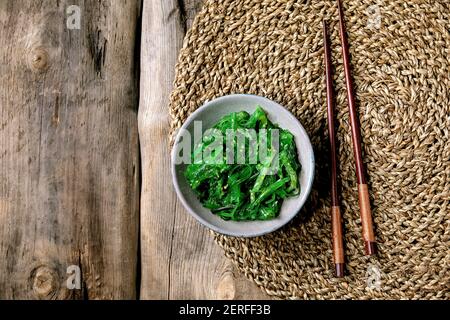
[{"x": 84, "y": 158}]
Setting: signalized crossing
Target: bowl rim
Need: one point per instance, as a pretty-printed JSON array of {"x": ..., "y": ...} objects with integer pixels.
[{"x": 192, "y": 117}]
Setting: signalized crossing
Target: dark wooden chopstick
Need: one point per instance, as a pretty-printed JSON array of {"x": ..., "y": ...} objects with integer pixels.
[
  {"x": 336, "y": 219},
  {"x": 364, "y": 204}
]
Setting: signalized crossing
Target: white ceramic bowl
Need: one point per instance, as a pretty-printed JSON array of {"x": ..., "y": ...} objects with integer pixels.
[{"x": 210, "y": 113}]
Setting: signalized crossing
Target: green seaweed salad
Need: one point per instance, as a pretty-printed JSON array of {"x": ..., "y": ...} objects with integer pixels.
[{"x": 245, "y": 190}]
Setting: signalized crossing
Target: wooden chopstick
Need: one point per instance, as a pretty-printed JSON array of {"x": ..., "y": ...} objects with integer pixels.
[
  {"x": 336, "y": 219},
  {"x": 364, "y": 204}
]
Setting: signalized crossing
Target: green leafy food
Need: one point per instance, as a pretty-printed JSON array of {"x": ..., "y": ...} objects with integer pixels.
[{"x": 233, "y": 178}]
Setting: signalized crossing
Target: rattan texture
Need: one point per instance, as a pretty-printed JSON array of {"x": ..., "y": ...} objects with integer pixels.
[{"x": 400, "y": 52}]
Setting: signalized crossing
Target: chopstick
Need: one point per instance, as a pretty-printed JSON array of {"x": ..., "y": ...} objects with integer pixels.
[
  {"x": 363, "y": 192},
  {"x": 336, "y": 219}
]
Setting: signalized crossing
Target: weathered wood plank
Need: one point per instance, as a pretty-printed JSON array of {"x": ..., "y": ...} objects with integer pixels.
[
  {"x": 69, "y": 162},
  {"x": 179, "y": 257}
]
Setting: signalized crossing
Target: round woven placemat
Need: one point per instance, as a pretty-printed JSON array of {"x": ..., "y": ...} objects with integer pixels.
[{"x": 400, "y": 57}]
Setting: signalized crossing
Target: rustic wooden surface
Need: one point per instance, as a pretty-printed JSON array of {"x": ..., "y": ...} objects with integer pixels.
[
  {"x": 69, "y": 161},
  {"x": 179, "y": 257}
]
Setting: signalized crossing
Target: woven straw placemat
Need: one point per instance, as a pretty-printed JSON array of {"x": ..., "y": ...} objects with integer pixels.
[{"x": 400, "y": 59}]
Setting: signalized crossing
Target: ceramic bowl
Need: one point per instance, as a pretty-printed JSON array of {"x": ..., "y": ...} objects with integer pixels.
[{"x": 209, "y": 114}]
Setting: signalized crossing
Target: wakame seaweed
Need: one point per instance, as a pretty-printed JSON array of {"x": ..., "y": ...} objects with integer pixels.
[{"x": 245, "y": 189}]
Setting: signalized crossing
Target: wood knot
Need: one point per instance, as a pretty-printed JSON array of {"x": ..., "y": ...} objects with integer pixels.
[
  {"x": 226, "y": 290},
  {"x": 38, "y": 59},
  {"x": 45, "y": 282}
]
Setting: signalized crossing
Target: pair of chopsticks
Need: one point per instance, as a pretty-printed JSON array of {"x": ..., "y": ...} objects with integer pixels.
[{"x": 364, "y": 204}]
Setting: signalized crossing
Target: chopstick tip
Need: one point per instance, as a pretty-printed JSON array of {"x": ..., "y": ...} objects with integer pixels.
[
  {"x": 339, "y": 270},
  {"x": 371, "y": 248}
]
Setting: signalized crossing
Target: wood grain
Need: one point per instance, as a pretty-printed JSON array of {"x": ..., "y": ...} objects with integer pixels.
[
  {"x": 69, "y": 160},
  {"x": 179, "y": 257}
]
